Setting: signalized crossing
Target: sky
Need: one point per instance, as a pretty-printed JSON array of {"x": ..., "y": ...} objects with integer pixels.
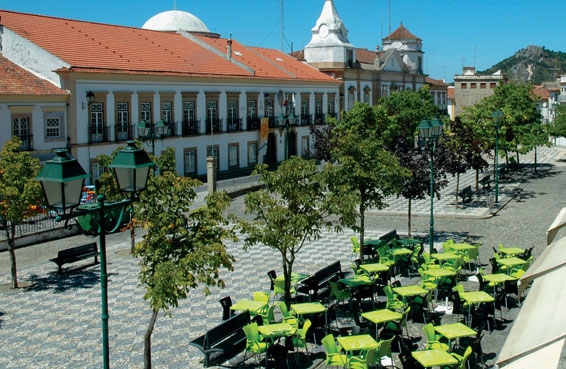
[{"x": 476, "y": 33}]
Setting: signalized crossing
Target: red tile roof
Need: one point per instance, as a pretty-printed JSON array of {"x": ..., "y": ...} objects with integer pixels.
[
  {"x": 435, "y": 82},
  {"x": 89, "y": 46},
  {"x": 18, "y": 81},
  {"x": 365, "y": 56},
  {"x": 541, "y": 92},
  {"x": 450, "y": 93},
  {"x": 402, "y": 33}
]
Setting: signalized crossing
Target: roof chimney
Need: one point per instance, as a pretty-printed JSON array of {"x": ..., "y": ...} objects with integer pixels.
[{"x": 229, "y": 51}]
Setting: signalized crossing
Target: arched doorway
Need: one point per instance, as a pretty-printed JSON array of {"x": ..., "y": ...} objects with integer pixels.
[
  {"x": 292, "y": 137},
  {"x": 271, "y": 154}
]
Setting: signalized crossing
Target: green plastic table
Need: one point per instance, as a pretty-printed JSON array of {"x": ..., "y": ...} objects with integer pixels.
[
  {"x": 400, "y": 251},
  {"x": 374, "y": 242},
  {"x": 462, "y": 247},
  {"x": 435, "y": 357},
  {"x": 352, "y": 344},
  {"x": 357, "y": 281},
  {"x": 409, "y": 291},
  {"x": 381, "y": 316},
  {"x": 476, "y": 297},
  {"x": 443, "y": 256},
  {"x": 308, "y": 308},
  {"x": 295, "y": 277},
  {"x": 498, "y": 278},
  {"x": 511, "y": 261},
  {"x": 273, "y": 331},
  {"x": 374, "y": 268},
  {"x": 510, "y": 251},
  {"x": 455, "y": 331},
  {"x": 254, "y": 307}
]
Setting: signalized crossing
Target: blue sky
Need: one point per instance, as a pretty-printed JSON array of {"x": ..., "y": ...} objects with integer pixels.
[{"x": 478, "y": 32}]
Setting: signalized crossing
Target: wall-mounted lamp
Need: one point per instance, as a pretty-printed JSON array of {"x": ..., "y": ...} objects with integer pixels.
[{"x": 89, "y": 99}]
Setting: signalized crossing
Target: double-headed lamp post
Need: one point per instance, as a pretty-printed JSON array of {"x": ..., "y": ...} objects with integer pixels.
[
  {"x": 496, "y": 117},
  {"x": 286, "y": 121},
  {"x": 430, "y": 131},
  {"x": 62, "y": 179},
  {"x": 150, "y": 131}
]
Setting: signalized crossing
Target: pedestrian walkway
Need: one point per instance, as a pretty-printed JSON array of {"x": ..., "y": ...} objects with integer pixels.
[{"x": 478, "y": 207}]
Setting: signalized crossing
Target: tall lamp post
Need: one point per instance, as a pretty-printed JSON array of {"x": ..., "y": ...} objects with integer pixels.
[
  {"x": 496, "y": 116},
  {"x": 286, "y": 121},
  {"x": 62, "y": 179},
  {"x": 430, "y": 131},
  {"x": 151, "y": 131}
]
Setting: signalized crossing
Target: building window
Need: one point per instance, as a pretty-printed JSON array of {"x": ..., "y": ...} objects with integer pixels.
[
  {"x": 145, "y": 111},
  {"x": 463, "y": 86},
  {"x": 492, "y": 85},
  {"x": 384, "y": 91},
  {"x": 96, "y": 170},
  {"x": 305, "y": 148},
  {"x": 483, "y": 85},
  {"x": 54, "y": 125},
  {"x": 21, "y": 127},
  {"x": 350, "y": 101},
  {"x": 318, "y": 107},
  {"x": 252, "y": 153},
  {"x": 366, "y": 97},
  {"x": 269, "y": 108},
  {"x": 350, "y": 58},
  {"x": 252, "y": 109},
  {"x": 330, "y": 106},
  {"x": 167, "y": 111},
  {"x": 304, "y": 107},
  {"x": 232, "y": 109},
  {"x": 188, "y": 111},
  {"x": 233, "y": 156},
  {"x": 213, "y": 151},
  {"x": 122, "y": 120},
  {"x": 97, "y": 122},
  {"x": 212, "y": 110},
  {"x": 472, "y": 85},
  {"x": 190, "y": 162}
]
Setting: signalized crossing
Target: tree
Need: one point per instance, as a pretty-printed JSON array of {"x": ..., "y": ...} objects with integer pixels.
[
  {"x": 364, "y": 167},
  {"x": 20, "y": 193},
  {"x": 559, "y": 127},
  {"x": 398, "y": 117},
  {"x": 182, "y": 248},
  {"x": 293, "y": 207},
  {"x": 322, "y": 137}
]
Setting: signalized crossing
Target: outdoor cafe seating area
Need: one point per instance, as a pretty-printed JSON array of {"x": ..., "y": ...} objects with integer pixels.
[{"x": 400, "y": 306}]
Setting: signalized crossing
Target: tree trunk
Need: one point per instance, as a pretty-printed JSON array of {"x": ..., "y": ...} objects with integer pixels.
[
  {"x": 506, "y": 159},
  {"x": 409, "y": 218},
  {"x": 132, "y": 238},
  {"x": 362, "y": 229},
  {"x": 457, "y": 187},
  {"x": 517, "y": 158},
  {"x": 477, "y": 181},
  {"x": 11, "y": 231},
  {"x": 287, "y": 278},
  {"x": 147, "y": 341},
  {"x": 535, "y": 159}
]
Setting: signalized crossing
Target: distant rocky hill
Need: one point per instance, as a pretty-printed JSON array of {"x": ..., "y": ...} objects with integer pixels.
[{"x": 532, "y": 64}]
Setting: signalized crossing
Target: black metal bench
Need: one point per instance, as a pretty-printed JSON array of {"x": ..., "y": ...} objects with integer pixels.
[
  {"x": 224, "y": 341},
  {"x": 486, "y": 182},
  {"x": 75, "y": 254},
  {"x": 466, "y": 194},
  {"x": 332, "y": 272}
]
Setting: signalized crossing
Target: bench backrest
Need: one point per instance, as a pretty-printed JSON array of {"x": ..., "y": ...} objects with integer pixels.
[
  {"x": 226, "y": 329},
  {"x": 391, "y": 235},
  {"x": 328, "y": 272},
  {"x": 77, "y": 251}
]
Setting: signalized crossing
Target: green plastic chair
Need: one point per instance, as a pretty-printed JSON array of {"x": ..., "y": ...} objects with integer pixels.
[
  {"x": 392, "y": 301},
  {"x": 268, "y": 316},
  {"x": 333, "y": 356},
  {"x": 385, "y": 258},
  {"x": 355, "y": 245},
  {"x": 384, "y": 350},
  {"x": 428, "y": 282},
  {"x": 447, "y": 246},
  {"x": 432, "y": 339},
  {"x": 300, "y": 337},
  {"x": 261, "y": 296},
  {"x": 462, "y": 360},
  {"x": 429, "y": 262},
  {"x": 279, "y": 287},
  {"x": 339, "y": 294},
  {"x": 367, "y": 359},
  {"x": 287, "y": 316},
  {"x": 254, "y": 341}
]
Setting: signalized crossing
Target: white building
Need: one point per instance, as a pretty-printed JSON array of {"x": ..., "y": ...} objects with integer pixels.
[{"x": 211, "y": 90}]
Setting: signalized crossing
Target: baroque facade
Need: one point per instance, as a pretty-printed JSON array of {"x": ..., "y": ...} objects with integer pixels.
[{"x": 85, "y": 86}]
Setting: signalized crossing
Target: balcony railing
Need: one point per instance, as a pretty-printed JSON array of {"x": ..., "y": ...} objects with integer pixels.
[
  {"x": 123, "y": 132},
  {"x": 306, "y": 120},
  {"x": 234, "y": 124},
  {"x": 253, "y": 123},
  {"x": 319, "y": 118},
  {"x": 191, "y": 127},
  {"x": 98, "y": 133},
  {"x": 27, "y": 142},
  {"x": 214, "y": 125}
]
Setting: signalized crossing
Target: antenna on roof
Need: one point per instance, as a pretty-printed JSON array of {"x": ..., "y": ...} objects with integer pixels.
[{"x": 475, "y": 56}]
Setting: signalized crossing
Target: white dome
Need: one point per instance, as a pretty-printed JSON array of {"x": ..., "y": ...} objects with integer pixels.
[{"x": 175, "y": 20}]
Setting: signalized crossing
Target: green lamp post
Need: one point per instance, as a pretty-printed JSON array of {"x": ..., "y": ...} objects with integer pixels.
[
  {"x": 62, "y": 179},
  {"x": 150, "y": 131},
  {"x": 430, "y": 131},
  {"x": 496, "y": 117},
  {"x": 286, "y": 121}
]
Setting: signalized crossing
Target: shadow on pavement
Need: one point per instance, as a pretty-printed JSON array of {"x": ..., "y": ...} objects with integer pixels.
[{"x": 60, "y": 283}]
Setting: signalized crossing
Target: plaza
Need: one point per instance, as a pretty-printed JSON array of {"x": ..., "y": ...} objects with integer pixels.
[{"x": 54, "y": 321}]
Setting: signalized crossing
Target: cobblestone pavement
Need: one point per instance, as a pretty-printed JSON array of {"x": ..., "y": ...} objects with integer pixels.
[{"x": 55, "y": 321}]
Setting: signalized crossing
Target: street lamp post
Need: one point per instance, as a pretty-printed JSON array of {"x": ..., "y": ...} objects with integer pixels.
[
  {"x": 151, "y": 131},
  {"x": 430, "y": 131},
  {"x": 496, "y": 117},
  {"x": 286, "y": 121},
  {"x": 62, "y": 180}
]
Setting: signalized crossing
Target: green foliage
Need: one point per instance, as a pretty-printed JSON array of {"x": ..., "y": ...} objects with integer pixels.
[
  {"x": 20, "y": 195},
  {"x": 293, "y": 207},
  {"x": 363, "y": 166},
  {"x": 559, "y": 127},
  {"x": 183, "y": 247}
]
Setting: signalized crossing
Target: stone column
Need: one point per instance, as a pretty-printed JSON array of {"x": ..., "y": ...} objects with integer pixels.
[
  {"x": 110, "y": 115},
  {"x": 211, "y": 173}
]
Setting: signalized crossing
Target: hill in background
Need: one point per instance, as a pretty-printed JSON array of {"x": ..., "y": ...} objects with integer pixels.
[{"x": 533, "y": 64}]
